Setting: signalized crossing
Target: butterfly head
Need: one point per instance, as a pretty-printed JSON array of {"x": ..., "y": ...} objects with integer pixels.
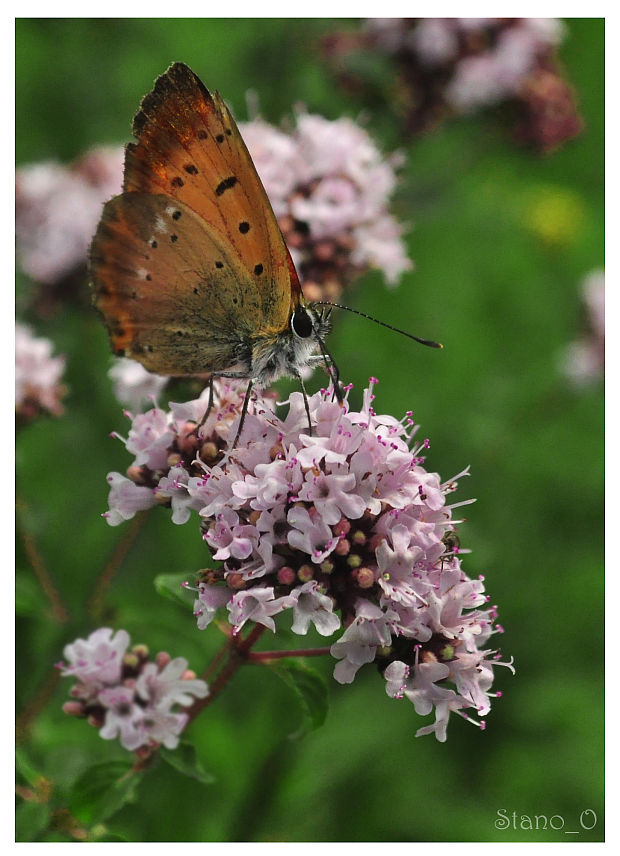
[{"x": 293, "y": 349}]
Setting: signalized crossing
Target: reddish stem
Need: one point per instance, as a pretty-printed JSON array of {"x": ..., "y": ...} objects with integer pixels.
[
  {"x": 38, "y": 564},
  {"x": 238, "y": 653},
  {"x": 95, "y": 603},
  {"x": 265, "y": 656}
]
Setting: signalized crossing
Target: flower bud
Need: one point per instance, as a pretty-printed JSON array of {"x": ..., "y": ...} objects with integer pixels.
[
  {"x": 342, "y": 547},
  {"x": 286, "y": 576},
  {"x": 208, "y": 452},
  {"x": 305, "y": 573},
  {"x": 342, "y": 527},
  {"x": 365, "y": 578},
  {"x": 162, "y": 658},
  {"x": 73, "y": 708}
]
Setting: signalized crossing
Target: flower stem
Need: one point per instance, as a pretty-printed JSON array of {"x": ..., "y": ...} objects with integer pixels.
[
  {"x": 95, "y": 602},
  {"x": 238, "y": 651},
  {"x": 37, "y": 563},
  {"x": 266, "y": 656}
]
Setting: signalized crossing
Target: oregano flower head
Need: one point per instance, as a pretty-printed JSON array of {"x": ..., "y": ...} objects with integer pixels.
[{"x": 341, "y": 527}]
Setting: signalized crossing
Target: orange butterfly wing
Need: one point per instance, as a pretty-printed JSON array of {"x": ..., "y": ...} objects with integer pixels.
[
  {"x": 189, "y": 147},
  {"x": 189, "y": 153},
  {"x": 174, "y": 295}
]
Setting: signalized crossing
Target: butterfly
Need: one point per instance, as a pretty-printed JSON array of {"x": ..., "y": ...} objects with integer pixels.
[{"x": 188, "y": 266}]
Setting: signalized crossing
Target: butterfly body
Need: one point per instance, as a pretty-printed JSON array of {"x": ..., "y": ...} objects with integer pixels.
[{"x": 189, "y": 268}]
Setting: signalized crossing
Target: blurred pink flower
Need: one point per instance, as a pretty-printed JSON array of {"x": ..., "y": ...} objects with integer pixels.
[
  {"x": 330, "y": 189},
  {"x": 124, "y": 694},
  {"x": 463, "y": 65},
  {"x": 37, "y": 376},
  {"x": 133, "y": 385},
  {"x": 58, "y": 208},
  {"x": 583, "y": 361}
]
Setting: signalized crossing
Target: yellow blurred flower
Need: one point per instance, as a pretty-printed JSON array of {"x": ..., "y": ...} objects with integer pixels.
[{"x": 554, "y": 214}]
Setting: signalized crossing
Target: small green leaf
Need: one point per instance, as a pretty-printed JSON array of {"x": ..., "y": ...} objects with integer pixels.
[
  {"x": 24, "y": 768},
  {"x": 28, "y": 600},
  {"x": 185, "y": 760},
  {"x": 310, "y": 689},
  {"x": 31, "y": 819},
  {"x": 169, "y": 586},
  {"x": 100, "y": 832},
  {"x": 102, "y": 790}
]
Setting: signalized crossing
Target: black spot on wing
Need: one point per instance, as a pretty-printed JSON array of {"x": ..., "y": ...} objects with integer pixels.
[
  {"x": 244, "y": 227},
  {"x": 191, "y": 169},
  {"x": 258, "y": 269},
  {"x": 225, "y": 185},
  {"x": 177, "y": 181}
]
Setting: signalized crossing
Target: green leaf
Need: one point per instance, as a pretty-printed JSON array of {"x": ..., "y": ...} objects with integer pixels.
[
  {"x": 311, "y": 691},
  {"x": 31, "y": 819},
  {"x": 185, "y": 760},
  {"x": 28, "y": 600},
  {"x": 169, "y": 586},
  {"x": 103, "y": 790},
  {"x": 24, "y": 768},
  {"x": 100, "y": 832}
]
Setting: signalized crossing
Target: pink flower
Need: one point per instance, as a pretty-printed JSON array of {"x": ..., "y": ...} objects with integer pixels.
[
  {"x": 37, "y": 375},
  {"x": 97, "y": 660},
  {"x": 149, "y": 439},
  {"x": 258, "y": 604},
  {"x": 126, "y": 499},
  {"x": 168, "y": 686},
  {"x": 371, "y": 629},
  {"x": 312, "y": 606}
]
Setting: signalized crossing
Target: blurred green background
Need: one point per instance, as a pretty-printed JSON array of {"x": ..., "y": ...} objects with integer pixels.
[{"x": 501, "y": 241}]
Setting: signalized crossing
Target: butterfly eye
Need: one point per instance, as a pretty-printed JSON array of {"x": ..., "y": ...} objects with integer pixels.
[{"x": 301, "y": 323}]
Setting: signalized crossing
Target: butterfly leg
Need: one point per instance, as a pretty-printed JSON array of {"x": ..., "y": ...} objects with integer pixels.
[
  {"x": 208, "y": 410},
  {"x": 306, "y": 405},
  {"x": 244, "y": 410}
]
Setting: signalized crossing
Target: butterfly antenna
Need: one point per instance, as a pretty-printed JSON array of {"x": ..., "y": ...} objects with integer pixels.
[{"x": 427, "y": 342}]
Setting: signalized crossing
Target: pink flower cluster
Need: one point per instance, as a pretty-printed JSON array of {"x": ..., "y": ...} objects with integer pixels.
[
  {"x": 462, "y": 65},
  {"x": 58, "y": 208},
  {"x": 124, "y": 694},
  {"x": 330, "y": 188},
  {"x": 342, "y": 527},
  {"x": 37, "y": 376}
]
